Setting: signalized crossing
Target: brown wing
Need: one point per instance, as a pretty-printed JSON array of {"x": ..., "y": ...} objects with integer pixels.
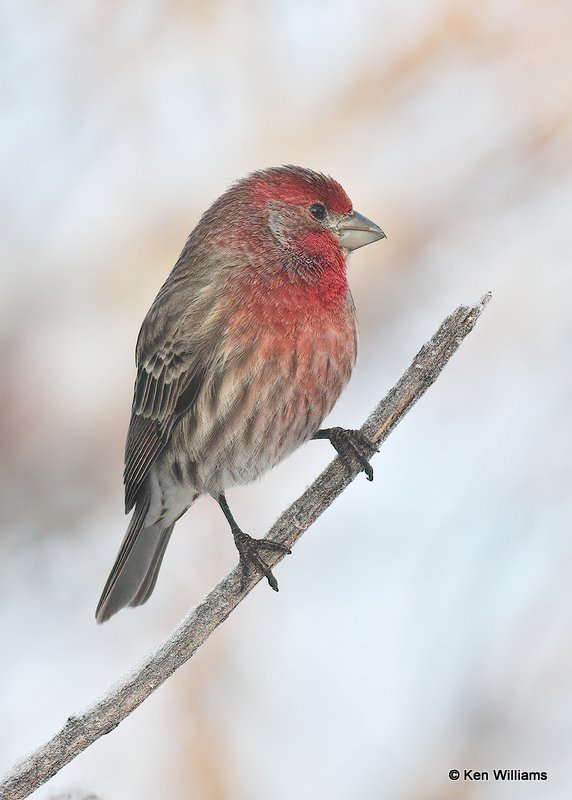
[
  {"x": 167, "y": 385},
  {"x": 174, "y": 350}
]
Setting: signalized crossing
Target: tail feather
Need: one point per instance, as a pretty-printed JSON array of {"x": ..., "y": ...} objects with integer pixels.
[
  {"x": 148, "y": 584},
  {"x": 134, "y": 573}
]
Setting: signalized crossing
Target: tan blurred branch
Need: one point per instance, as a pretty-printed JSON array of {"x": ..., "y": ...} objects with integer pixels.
[{"x": 82, "y": 730}]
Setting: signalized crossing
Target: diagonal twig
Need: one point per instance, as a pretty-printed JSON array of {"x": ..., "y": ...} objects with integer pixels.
[{"x": 83, "y": 729}]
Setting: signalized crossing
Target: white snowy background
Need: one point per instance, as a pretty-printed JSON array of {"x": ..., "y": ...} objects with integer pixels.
[{"x": 425, "y": 622}]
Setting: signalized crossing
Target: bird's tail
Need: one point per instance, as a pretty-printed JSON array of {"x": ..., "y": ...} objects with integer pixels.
[{"x": 134, "y": 574}]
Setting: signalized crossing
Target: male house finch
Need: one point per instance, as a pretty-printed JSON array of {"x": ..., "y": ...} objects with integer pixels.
[{"x": 244, "y": 351}]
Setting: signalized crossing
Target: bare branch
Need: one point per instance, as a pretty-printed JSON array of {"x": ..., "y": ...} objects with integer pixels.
[{"x": 82, "y": 730}]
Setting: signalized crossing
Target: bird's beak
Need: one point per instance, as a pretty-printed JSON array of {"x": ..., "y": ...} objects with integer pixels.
[{"x": 355, "y": 231}]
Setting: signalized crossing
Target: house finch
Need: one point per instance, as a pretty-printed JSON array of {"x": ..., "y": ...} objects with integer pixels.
[{"x": 244, "y": 351}]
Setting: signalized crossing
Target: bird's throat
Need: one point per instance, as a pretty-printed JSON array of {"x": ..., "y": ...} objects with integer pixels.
[{"x": 320, "y": 265}]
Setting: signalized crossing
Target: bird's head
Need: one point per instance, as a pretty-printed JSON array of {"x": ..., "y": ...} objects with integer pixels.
[
  {"x": 309, "y": 212},
  {"x": 286, "y": 222}
]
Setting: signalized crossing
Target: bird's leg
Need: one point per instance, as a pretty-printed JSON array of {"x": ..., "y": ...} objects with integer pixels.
[
  {"x": 351, "y": 445},
  {"x": 249, "y": 548}
]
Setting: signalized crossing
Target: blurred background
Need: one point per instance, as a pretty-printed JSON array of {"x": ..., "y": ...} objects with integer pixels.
[{"x": 425, "y": 622}]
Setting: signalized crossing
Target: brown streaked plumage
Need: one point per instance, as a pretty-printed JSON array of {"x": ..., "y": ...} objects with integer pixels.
[{"x": 243, "y": 353}]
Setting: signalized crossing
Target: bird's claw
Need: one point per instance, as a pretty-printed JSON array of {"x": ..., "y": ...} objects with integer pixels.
[
  {"x": 352, "y": 445},
  {"x": 249, "y": 548}
]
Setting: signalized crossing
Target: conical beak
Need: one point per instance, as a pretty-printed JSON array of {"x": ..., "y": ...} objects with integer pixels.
[{"x": 355, "y": 231}]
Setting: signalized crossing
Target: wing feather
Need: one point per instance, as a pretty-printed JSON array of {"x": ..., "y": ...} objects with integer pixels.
[
  {"x": 153, "y": 419},
  {"x": 173, "y": 355}
]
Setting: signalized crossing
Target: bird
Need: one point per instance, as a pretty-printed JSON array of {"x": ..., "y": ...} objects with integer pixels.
[{"x": 243, "y": 353}]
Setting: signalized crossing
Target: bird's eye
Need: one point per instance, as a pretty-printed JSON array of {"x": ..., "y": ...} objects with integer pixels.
[{"x": 318, "y": 211}]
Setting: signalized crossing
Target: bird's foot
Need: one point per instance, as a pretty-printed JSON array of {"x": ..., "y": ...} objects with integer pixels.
[
  {"x": 249, "y": 550},
  {"x": 351, "y": 446}
]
